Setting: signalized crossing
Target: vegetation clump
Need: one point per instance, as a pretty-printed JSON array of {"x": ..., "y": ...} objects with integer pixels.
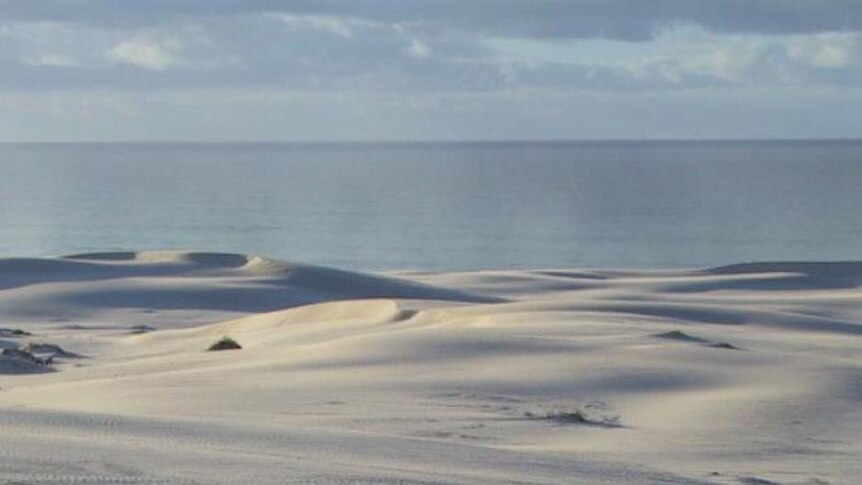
[
  {"x": 25, "y": 355},
  {"x": 225, "y": 343},
  {"x": 51, "y": 350},
  {"x": 591, "y": 414},
  {"x": 14, "y": 332},
  {"x": 139, "y": 329}
]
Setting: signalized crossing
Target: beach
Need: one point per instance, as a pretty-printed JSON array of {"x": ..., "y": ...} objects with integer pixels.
[{"x": 749, "y": 373}]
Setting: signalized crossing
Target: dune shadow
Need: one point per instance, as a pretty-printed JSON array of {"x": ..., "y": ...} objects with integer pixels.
[
  {"x": 825, "y": 275},
  {"x": 17, "y": 366},
  {"x": 20, "y": 272}
]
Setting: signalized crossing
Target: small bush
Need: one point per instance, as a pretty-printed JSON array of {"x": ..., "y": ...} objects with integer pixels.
[
  {"x": 226, "y": 343},
  {"x": 591, "y": 414},
  {"x": 14, "y": 332},
  {"x": 568, "y": 417}
]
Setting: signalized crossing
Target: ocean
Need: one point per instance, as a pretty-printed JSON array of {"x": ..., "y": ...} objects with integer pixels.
[{"x": 435, "y": 206}]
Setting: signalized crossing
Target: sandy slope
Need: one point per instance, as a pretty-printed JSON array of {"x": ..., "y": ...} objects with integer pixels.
[{"x": 743, "y": 374}]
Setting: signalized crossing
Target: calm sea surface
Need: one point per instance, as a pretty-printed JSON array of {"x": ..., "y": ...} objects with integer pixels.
[{"x": 441, "y": 206}]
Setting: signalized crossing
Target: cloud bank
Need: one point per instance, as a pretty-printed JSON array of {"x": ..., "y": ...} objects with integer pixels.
[
  {"x": 416, "y": 54},
  {"x": 618, "y": 19}
]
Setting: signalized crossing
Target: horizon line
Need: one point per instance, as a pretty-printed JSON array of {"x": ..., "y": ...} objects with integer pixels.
[{"x": 428, "y": 142}]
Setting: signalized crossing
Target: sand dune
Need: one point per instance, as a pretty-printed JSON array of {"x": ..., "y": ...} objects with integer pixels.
[
  {"x": 742, "y": 374},
  {"x": 191, "y": 287}
]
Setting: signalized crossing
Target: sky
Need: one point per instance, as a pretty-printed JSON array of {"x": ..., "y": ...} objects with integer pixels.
[{"x": 415, "y": 70}]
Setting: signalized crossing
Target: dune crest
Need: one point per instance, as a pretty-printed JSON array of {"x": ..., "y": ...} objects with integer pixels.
[{"x": 210, "y": 285}]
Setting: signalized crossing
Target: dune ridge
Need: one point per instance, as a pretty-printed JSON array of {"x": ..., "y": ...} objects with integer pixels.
[
  {"x": 81, "y": 287},
  {"x": 741, "y": 374}
]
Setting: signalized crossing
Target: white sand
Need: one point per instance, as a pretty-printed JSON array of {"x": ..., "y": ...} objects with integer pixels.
[{"x": 427, "y": 378}]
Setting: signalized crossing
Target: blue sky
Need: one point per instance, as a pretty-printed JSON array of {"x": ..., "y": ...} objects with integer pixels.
[{"x": 326, "y": 70}]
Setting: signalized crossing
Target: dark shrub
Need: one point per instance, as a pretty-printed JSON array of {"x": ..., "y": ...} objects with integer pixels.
[{"x": 226, "y": 343}]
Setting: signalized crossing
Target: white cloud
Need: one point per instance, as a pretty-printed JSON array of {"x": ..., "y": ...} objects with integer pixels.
[
  {"x": 418, "y": 49},
  {"x": 48, "y": 44},
  {"x": 336, "y": 26},
  {"x": 332, "y": 25},
  {"x": 692, "y": 57},
  {"x": 53, "y": 60},
  {"x": 145, "y": 54},
  {"x": 831, "y": 51},
  {"x": 731, "y": 63}
]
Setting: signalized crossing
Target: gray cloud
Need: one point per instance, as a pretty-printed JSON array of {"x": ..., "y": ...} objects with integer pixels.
[
  {"x": 392, "y": 68},
  {"x": 633, "y": 20},
  {"x": 404, "y": 45},
  {"x": 327, "y": 54}
]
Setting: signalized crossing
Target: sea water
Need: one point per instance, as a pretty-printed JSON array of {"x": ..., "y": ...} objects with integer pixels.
[{"x": 441, "y": 205}]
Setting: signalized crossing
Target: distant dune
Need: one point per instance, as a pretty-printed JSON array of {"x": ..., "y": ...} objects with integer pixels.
[{"x": 749, "y": 373}]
